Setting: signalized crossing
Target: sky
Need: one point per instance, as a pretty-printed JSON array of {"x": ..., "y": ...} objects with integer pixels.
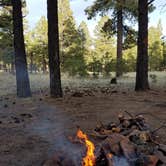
[{"x": 38, "y": 8}]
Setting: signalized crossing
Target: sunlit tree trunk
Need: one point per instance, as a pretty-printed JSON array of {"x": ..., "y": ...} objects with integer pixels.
[
  {"x": 53, "y": 48},
  {"x": 22, "y": 78},
  {"x": 142, "y": 53}
]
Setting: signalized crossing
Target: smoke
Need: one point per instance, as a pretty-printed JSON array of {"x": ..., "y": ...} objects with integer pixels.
[
  {"x": 69, "y": 152},
  {"x": 55, "y": 127}
]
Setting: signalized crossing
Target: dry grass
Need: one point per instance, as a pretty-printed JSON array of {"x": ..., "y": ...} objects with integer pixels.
[{"x": 40, "y": 81}]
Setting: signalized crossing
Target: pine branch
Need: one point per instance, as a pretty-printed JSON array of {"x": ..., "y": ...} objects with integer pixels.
[{"x": 151, "y": 1}]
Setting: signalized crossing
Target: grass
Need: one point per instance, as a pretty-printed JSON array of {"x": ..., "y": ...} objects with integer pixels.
[{"x": 41, "y": 81}]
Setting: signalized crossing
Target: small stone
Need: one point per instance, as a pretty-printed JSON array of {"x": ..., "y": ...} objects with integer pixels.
[
  {"x": 5, "y": 106},
  {"x": 114, "y": 91},
  {"x": 113, "y": 81},
  {"x": 17, "y": 121},
  {"x": 26, "y": 115}
]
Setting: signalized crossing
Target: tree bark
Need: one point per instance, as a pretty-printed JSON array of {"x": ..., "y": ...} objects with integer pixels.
[
  {"x": 142, "y": 83},
  {"x": 119, "y": 39},
  {"x": 22, "y": 78},
  {"x": 53, "y": 48}
]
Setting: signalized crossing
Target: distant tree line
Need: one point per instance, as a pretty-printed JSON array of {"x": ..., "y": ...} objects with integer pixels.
[
  {"x": 57, "y": 43},
  {"x": 94, "y": 55}
]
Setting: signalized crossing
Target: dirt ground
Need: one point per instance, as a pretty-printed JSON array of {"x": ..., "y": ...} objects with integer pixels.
[{"x": 31, "y": 130}]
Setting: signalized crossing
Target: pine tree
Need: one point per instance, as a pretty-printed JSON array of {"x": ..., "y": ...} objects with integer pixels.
[
  {"x": 6, "y": 37},
  {"x": 53, "y": 48},
  {"x": 121, "y": 10},
  {"x": 86, "y": 42},
  {"x": 41, "y": 40},
  {"x": 85, "y": 35},
  {"x": 142, "y": 83},
  {"x": 6, "y": 34},
  {"x": 72, "y": 54},
  {"x": 105, "y": 50},
  {"x": 22, "y": 78},
  {"x": 155, "y": 48}
]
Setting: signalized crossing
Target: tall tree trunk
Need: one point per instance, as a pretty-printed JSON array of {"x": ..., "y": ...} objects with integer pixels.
[
  {"x": 142, "y": 53},
  {"x": 119, "y": 39},
  {"x": 53, "y": 48},
  {"x": 22, "y": 78}
]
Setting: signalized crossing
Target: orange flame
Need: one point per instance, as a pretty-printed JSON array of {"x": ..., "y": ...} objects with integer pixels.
[
  {"x": 110, "y": 155},
  {"x": 89, "y": 159}
]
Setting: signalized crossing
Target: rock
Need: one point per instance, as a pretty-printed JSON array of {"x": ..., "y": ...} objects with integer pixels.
[
  {"x": 114, "y": 91},
  {"x": 14, "y": 103},
  {"x": 26, "y": 115},
  {"x": 113, "y": 81},
  {"x": 5, "y": 105},
  {"x": 77, "y": 94},
  {"x": 16, "y": 120}
]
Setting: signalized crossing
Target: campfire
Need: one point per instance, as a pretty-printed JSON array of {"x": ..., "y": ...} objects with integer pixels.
[
  {"x": 130, "y": 142},
  {"x": 89, "y": 159}
]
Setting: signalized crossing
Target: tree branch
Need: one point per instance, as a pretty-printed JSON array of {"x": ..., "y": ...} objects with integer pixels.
[{"x": 151, "y": 1}]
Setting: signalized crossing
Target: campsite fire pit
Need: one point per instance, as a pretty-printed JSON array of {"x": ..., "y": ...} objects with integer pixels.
[{"x": 131, "y": 142}]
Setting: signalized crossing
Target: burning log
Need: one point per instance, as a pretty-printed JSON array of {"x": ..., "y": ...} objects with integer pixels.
[
  {"x": 128, "y": 149},
  {"x": 89, "y": 159},
  {"x": 127, "y": 143},
  {"x": 112, "y": 144}
]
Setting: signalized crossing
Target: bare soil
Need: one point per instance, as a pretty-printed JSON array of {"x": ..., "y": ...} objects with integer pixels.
[{"x": 31, "y": 130}]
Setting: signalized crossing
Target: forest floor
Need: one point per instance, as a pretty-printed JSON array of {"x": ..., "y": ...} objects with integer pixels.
[{"x": 32, "y": 129}]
